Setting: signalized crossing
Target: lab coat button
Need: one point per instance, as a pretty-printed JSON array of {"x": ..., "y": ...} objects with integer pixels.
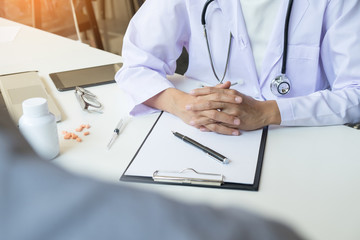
[{"x": 242, "y": 42}]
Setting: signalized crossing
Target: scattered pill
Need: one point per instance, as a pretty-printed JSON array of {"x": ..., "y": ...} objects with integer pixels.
[
  {"x": 67, "y": 136},
  {"x": 72, "y": 135},
  {"x": 79, "y": 129}
]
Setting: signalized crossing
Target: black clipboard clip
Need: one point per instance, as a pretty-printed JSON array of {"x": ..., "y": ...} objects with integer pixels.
[{"x": 188, "y": 176}]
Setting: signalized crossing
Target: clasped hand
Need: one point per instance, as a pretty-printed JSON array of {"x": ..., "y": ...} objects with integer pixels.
[{"x": 227, "y": 111}]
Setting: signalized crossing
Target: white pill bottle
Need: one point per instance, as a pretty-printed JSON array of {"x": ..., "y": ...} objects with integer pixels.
[{"x": 38, "y": 126}]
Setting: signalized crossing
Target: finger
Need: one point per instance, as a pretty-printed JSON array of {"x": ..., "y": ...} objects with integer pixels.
[
  {"x": 225, "y": 85},
  {"x": 212, "y": 90},
  {"x": 218, "y": 128},
  {"x": 204, "y": 129},
  {"x": 214, "y": 116},
  {"x": 213, "y": 101},
  {"x": 214, "y": 105}
]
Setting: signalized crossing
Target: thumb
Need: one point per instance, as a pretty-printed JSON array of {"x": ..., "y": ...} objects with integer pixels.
[{"x": 225, "y": 85}]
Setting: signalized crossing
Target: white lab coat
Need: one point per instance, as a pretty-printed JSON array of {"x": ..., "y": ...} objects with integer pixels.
[{"x": 323, "y": 61}]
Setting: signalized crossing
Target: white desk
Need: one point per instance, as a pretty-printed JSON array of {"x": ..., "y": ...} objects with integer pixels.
[{"x": 310, "y": 176}]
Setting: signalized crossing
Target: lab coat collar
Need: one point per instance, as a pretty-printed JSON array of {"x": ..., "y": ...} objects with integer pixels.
[{"x": 233, "y": 14}]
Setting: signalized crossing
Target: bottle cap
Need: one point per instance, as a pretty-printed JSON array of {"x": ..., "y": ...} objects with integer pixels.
[{"x": 35, "y": 107}]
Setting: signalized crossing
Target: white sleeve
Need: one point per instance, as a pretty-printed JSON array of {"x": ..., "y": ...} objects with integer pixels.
[
  {"x": 153, "y": 41},
  {"x": 340, "y": 60}
]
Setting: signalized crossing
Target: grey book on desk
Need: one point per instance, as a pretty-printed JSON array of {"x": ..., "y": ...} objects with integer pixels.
[
  {"x": 163, "y": 158},
  {"x": 18, "y": 87}
]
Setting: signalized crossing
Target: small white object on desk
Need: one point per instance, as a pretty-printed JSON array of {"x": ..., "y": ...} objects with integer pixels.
[
  {"x": 39, "y": 128},
  {"x": 115, "y": 133}
]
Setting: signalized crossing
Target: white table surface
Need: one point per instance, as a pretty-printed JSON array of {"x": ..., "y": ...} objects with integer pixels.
[{"x": 310, "y": 177}]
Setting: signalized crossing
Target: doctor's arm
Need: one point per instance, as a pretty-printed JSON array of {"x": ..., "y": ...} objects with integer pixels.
[
  {"x": 340, "y": 63},
  {"x": 177, "y": 103},
  {"x": 218, "y": 109},
  {"x": 149, "y": 57}
]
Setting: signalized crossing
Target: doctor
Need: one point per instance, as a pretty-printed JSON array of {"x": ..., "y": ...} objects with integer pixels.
[{"x": 293, "y": 63}]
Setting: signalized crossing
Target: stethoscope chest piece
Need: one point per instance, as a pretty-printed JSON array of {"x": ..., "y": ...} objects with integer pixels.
[{"x": 280, "y": 85}]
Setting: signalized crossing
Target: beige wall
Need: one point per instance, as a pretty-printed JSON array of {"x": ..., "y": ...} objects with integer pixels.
[{"x": 118, "y": 9}]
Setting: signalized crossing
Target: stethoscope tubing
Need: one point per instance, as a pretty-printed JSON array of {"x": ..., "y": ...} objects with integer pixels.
[
  {"x": 203, "y": 14},
  {"x": 286, "y": 37},
  {"x": 203, "y": 22},
  {"x": 285, "y": 45}
]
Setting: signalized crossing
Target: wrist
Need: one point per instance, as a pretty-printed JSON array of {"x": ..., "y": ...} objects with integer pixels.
[
  {"x": 167, "y": 100},
  {"x": 271, "y": 113}
]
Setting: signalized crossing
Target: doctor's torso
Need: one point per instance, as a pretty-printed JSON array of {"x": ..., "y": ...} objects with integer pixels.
[
  {"x": 224, "y": 16},
  {"x": 320, "y": 55},
  {"x": 183, "y": 22}
]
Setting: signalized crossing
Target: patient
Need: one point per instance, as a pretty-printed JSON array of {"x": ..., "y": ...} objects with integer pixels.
[{"x": 41, "y": 201}]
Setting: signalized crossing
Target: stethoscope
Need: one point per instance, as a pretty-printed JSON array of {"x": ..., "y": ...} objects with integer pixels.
[{"x": 280, "y": 85}]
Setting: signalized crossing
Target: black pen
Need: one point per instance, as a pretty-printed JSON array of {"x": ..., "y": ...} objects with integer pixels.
[{"x": 219, "y": 157}]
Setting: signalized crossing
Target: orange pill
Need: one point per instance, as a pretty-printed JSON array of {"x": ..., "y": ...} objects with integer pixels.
[
  {"x": 67, "y": 136},
  {"x": 79, "y": 129},
  {"x": 72, "y": 135}
]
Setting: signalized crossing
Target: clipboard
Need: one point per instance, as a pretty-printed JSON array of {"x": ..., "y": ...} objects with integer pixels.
[{"x": 160, "y": 147}]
